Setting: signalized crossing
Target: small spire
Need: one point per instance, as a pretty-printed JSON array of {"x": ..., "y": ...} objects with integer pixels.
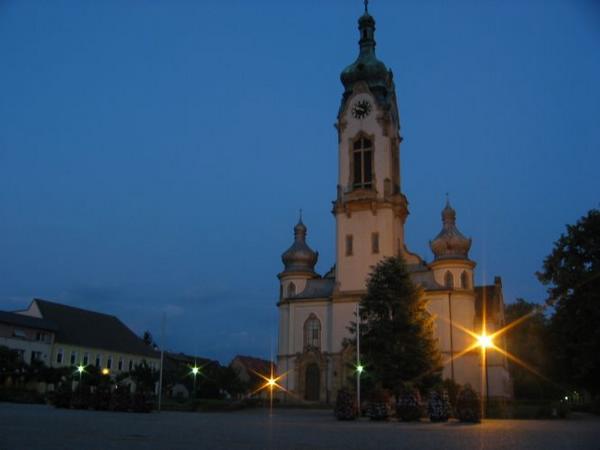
[
  {"x": 447, "y": 200},
  {"x": 366, "y": 6},
  {"x": 300, "y": 216}
]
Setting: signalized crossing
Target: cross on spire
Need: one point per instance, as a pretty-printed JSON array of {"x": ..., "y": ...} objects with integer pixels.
[{"x": 366, "y": 6}]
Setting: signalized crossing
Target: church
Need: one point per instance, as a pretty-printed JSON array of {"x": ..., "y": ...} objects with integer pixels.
[{"x": 370, "y": 211}]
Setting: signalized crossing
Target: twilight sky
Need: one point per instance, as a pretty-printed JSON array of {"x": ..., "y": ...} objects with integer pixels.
[{"x": 154, "y": 155}]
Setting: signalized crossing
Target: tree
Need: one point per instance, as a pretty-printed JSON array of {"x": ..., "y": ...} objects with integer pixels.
[
  {"x": 572, "y": 272},
  {"x": 148, "y": 339},
  {"x": 528, "y": 341},
  {"x": 396, "y": 332}
]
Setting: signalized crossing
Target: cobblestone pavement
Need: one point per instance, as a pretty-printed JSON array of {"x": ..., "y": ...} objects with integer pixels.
[{"x": 31, "y": 427}]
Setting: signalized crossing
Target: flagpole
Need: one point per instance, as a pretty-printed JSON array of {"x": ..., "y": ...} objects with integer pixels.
[
  {"x": 358, "y": 365},
  {"x": 162, "y": 357}
]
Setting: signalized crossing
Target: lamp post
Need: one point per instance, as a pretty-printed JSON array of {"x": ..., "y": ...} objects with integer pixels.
[
  {"x": 359, "y": 367},
  {"x": 484, "y": 342},
  {"x": 195, "y": 371},
  {"x": 80, "y": 369}
]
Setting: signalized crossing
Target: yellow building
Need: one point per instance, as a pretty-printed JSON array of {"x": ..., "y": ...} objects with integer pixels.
[
  {"x": 89, "y": 338},
  {"x": 370, "y": 211}
]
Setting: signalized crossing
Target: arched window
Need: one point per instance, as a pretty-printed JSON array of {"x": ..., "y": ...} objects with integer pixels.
[
  {"x": 362, "y": 163},
  {"x": 312, "y": 332},
  {"x": 291, "y": 290},
  {"x": 449, "y": 280},
  {"x": 464, "y": 280}
]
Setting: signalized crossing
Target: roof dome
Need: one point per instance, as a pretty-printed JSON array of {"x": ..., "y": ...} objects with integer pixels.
[
  {"x": 450, "y": 243},
  {"x": 299, "y": 257},
  {"x": 366, "y": 67}
]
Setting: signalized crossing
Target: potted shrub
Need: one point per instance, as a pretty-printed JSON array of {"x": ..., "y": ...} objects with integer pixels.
[
  {"x": 438, "y": 406},
  {"x": 377, "y": 408},
  {"x": 345, "y": 405},
  {"x": 468, "y": 405},
  {"x": 408, "y": 406}
]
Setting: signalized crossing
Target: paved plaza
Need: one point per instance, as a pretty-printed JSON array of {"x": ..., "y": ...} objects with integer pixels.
[{"x": 31, "y": 427}]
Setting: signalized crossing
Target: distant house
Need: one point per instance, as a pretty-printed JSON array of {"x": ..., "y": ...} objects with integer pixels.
[
  {"x": 248, "y": 369},
  {"x": 31, "y": 337},
  {"x": 178, "y": 376},
  {"x": 89, "y": 338}
]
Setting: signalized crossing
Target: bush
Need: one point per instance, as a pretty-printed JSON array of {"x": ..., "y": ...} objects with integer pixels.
[
  {"x": 20, "y": 395},
  {"x": 81, "y": 398},
  {"x": 438, "y": 406},
  {"x": 345, "y": 405},
  {"x": 408, "y": 407},
  {"x": 120, "y": 399},
  {"x": 141, "y": 402},
  {"x": 468, "y": 405},
  {"x": 101, "y": 397},
  {"x": 62, "y": 396},
  {"x": 377, "y": 408}
]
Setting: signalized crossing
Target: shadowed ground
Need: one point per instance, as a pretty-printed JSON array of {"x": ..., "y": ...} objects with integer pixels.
[{"x": 34, "y": 427}]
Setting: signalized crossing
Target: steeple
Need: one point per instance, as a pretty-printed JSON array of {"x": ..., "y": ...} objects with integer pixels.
[
  {"x": 450, "y": 242},
  {"x": 367, "y": 68},
  {"x": 299, "y": 257}
]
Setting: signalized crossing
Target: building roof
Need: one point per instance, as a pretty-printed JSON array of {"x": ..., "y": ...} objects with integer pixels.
[
  {"x": 491, "y": 297},
  {"x": 27, "y": 321},
  {"x": 84, "y": 328},
  {"x": 257, "y": 365},
  {"x": 317, "y": 288}
]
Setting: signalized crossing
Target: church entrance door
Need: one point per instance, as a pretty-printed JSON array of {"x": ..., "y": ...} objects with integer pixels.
[{"x": 313, "y": 382}]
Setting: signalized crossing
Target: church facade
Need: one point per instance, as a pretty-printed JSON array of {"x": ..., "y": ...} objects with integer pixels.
[{"x": 370, "y": 212}]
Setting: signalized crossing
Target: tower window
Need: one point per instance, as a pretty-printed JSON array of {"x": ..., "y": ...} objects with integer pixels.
[
  {"x": 349, "y": 245},
  {"x": 375, "y": 242},
  {"x": 291, "y": 290},
  {"x": 362, "y": 159},
  {"x": 312, "y": 332},
  {"x": 464, "y": 280},
  {"x": 449, "y": 280}
]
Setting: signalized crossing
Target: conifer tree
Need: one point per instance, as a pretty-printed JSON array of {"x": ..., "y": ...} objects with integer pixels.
[{"x": 396, "y": 333}]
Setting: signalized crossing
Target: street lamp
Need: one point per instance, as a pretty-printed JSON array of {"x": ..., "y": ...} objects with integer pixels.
[
  {"x": 80, "y": 369},
  {"x": 195, "y": 371},
  {"x": 485, "y": 341}
]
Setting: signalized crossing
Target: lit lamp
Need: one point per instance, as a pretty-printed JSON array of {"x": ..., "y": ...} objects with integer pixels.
[
  {"x": 485, "y": 342},
  {"x": 195, "y": 371},
  {"x": 105, "y": 371},
  {"x": 80, "y": 369}
]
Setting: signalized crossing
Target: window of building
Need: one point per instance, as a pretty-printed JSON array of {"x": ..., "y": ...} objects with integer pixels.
[
  {"x": 349, "y": 245},
  {"x": 291, "y": 290},
  {"x": 17, "y": 332},
  {"x": 109, "y": 362},
  {"x": 39, "y": 336},
  {"x": 130, "y": 365},
  {"x": 375, "y": 242},
  {"x": 59, "y": 356},
  {"x": 449, "y": 280},
  {"x": 20, "y": 354},
  {"x": 98, "y": 360},
  {"x": 120, "y": 365},
  {"x": 73, "y": 357},
  {"x": 312, "y": 332},
  {"x": 464, "y": 280},
  {"x": 362, "y": 160},
  {"x": 36, "y": 356},
  {"x": 86, "y": 358}
]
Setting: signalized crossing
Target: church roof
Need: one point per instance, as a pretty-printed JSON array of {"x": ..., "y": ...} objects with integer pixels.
[
  {"x": 317, "y": 288},
  {"x": 84, "y": 328},
  {"x": 490, "y": 297},
  {"x": 21, "y": 320},
  {"x": 299, "y": 257},
  {"x": 257, "y": 365}
]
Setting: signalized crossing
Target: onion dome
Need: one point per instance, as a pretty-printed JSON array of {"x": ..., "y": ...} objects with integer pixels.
[
  {"x": 450, "y": 243},
  {"x": 367, "y": 67},
  {"x": 299, "y": 257}
]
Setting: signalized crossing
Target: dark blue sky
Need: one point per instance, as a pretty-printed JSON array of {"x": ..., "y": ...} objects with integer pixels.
[{"x": 154, "y": 155}]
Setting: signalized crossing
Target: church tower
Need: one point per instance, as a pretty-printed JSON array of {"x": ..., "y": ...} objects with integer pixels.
[{"x": 370, "y": 209}]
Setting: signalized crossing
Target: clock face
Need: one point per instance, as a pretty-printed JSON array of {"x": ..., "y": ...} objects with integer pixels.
[{"x": 361, "y": 109}]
